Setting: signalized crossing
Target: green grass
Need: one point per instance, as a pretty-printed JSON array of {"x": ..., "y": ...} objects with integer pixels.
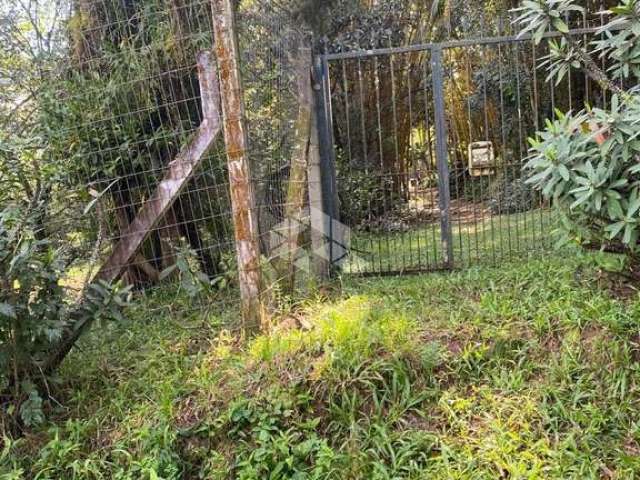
[
  {"x": 525, "y": 372},
  {"x": 482, "y": 239}
]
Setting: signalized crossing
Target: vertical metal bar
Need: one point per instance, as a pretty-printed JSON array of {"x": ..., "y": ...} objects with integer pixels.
[
  {"x": 429, "y": 151},
  {"x": 397, "y": 176},
  {"x": 536, "y": 115},
  {"x": 319, "y": 225},
  {"x": 483, "y": 55},
  {"x": 506, "y": 161},
  {"x": 365, "y": 153},
  {"x": 442, "y": 156},
  {"x": 604, "y": 57},
  {"x": 327, "y": 153},
  {"x": 383, "y": 172},
  {"x": 330, "y": 145},
  {"x": 469, "y": 180},
  {"x": 363, "y": 125},
  {"x": 347, "y": 164},
  {"x": 412, "y": 165},
  {"x": 585, "y": 41},
  {"x": 345, "y": 94},
  {"x": 241, "y": 188},
  {"x": 521, "y": 150}
]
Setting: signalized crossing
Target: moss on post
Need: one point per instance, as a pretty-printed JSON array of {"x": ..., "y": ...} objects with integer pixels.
[{"x": 241, "y": 190}]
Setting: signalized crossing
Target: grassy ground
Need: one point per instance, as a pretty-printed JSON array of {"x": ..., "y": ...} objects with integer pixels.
[
  {"x": 478, "y": 239},
  {"x": 527, "y": 372}
]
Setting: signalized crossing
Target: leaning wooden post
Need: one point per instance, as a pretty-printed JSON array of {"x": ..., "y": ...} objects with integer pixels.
[
  {"x": 297, "y": 187},
  {"x": 235, "y": 136}
]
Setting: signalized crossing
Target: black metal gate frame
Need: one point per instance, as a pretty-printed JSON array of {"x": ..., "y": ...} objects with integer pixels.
[{"x": 325, "y": 122}]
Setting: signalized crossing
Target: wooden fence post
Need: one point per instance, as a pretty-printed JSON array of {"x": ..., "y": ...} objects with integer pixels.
[
  {"x": 297, "y": 185},
  {"x": 241, "y": 189}
]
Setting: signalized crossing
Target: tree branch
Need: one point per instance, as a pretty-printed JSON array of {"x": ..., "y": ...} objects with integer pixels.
[{"x": 591, "y": 68}]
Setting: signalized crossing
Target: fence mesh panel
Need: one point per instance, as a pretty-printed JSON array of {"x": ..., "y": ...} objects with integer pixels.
[{"x": 129, "y": 100}]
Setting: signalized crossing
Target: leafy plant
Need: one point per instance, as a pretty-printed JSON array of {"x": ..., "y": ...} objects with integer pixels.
[
  {"x": 588, "y": 162},
  {"x": 276, "y": 440},
  {"x": 34, "y": 308},
  {"x": 539, "y": 16},
  {"x": 499, "y": 375},
  {"x": 189, "y": 275},
  {"x": 369, "y": 196}
]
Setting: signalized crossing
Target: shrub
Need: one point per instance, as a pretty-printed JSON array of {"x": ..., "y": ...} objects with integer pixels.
[
  {"x": 276, "y": 438},
  {"x": 588, "y": 163},
  {"x": 34, "y": 308},
  {"x": 470, "y": 189},
  {"x": 365, "y": 197}
]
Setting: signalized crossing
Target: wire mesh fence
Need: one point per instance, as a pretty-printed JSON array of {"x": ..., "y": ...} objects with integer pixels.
[{"x": 128, "y": 103}]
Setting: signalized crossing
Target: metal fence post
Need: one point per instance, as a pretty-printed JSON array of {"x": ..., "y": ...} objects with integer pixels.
[
  {"x": 319, "y": 225},
  {"x": 327, "y": 154},
  {"x": 442, "y": 156}
]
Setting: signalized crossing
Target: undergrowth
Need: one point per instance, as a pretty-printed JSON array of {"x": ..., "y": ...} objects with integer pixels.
[{"x": 529, "y": 372}]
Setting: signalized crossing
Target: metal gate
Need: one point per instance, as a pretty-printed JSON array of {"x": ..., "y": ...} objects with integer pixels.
[{"x": 427, "y": 145}]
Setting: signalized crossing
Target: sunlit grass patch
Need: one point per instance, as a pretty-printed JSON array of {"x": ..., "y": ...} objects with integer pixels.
[
  {"x": 355, "y": 328},
  {"x": 483, "y": 239}
]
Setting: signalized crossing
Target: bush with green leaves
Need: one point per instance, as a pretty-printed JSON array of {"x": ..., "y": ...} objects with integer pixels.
[
  {"x": 366, "y": 197},
  {"x": 276, "y": 438},
  {"x": 588, "y": 162},
  {"x": 36, "y": 309}
]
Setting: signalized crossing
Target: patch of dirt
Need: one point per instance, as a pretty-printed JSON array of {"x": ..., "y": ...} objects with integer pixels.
[
  {"x": 623, "y": 290},
  {"x": 293, "y": 321},
  {"x": 423, "y": 209},
  {"x": 550, "y": 343},
  {"x": 591, "y": 335},
  {"x": 455, "y": 346},
  {"x": 631, "y": 447},
  {"x": 453, "y": 341},
  {"x": 616, "y": 285},
  {"x": 188, "y": 413},
  {"x": 464, "y": 212},
  {"x": 106, "y": 438}
]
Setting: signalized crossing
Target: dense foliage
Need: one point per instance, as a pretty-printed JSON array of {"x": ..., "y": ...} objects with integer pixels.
[
  {"x": 482, "y": 374},
  {"x": 40, "y": 217},
  {"x": 587, "y": 162}
]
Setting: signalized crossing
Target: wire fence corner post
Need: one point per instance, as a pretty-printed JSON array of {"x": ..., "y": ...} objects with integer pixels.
[
  {"x": 442, "y": 156},
  {"x": 240, "y": 180}
]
